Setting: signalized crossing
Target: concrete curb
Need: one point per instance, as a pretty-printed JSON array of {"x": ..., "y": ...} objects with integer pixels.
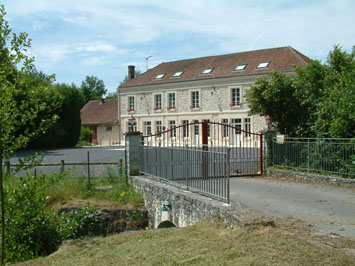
[{"x": 339, "y": 181}]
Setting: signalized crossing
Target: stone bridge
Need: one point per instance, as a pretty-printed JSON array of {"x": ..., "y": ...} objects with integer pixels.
[{"x": 170, "y": 204}]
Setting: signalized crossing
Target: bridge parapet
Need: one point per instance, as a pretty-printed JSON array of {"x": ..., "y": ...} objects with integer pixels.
[{"x": 168, "y": 203}]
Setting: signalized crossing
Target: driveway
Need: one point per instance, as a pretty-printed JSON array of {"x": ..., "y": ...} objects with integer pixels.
[{"x": 329, "y": 209}]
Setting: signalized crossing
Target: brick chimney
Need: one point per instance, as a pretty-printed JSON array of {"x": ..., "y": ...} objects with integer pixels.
[{"x": 131, "y": 72}]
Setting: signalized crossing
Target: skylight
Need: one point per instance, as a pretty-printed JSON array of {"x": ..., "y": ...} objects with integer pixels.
[
  {"x": 240, "y": 67},
  {"x": 263, "y": 65},
  {"x": 160, "y": 76},
  {"x": 178, "y": 74},
  {"x": 207, "y": 71}
]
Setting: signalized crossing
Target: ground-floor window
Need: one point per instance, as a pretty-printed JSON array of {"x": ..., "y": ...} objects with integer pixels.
[
  {"x": 158, "y": 128},
  {"x": 147, "y": 128},
  {"x": 225, "y": 129},
  {"x": 185, "y": 128},
  {"x": 247, "y": 127},
  {"x": 172, "y": 127}
]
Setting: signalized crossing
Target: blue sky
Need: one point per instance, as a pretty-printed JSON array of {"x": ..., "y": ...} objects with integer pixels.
[{"x": 76, "y": 38}]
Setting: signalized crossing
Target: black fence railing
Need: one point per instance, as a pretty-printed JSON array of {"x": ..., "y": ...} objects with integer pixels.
[
  {"x": 206, "y": 172},
  {"x": 335, "y": 156}
]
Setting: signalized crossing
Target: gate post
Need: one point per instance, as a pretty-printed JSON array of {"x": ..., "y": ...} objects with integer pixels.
[
  {"x": 204, "y": 148},
  {"x": 270, "y": 135},
  {"x": 133, "y": 143}
]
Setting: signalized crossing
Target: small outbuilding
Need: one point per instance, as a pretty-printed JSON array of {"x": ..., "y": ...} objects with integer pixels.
[{"x": 102, "y": 117}]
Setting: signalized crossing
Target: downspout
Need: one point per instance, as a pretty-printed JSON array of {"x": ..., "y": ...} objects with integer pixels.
[{"x": 119, "y": 116}]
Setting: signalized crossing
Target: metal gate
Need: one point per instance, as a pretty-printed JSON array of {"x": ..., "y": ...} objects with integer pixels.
[{"x": 245, "y": 148}]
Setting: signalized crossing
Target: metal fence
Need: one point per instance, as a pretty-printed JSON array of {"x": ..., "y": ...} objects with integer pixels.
[
  {"x": 198, "y": 170},
  {"x": 336, "y": 156},
  {"x": 72, "y": 169}
]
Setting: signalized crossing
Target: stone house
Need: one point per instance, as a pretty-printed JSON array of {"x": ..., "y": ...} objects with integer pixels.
[
  {"x": 201, "y": 89},
  {"x": 102, "y": 117}
]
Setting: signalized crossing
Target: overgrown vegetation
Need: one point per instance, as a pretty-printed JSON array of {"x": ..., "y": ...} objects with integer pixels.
[
  {"x": 207, "y": 243},
  {"x": 318, "y": 102},
  {"x": 34, "y": 227},
  {"x": 86, "y": 134}
]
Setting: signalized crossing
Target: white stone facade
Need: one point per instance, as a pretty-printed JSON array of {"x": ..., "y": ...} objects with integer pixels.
[
  {"x": 108, "y": 135},
  {"x": 215, "y": 104}
]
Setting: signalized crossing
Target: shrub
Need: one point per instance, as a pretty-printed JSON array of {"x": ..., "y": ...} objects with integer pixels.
[{"x": 31, "y": 230}]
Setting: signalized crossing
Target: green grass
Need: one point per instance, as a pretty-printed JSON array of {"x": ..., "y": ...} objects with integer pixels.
[
  {"x": 206, "y": 243},
  {"x": 60, "y": 189}
]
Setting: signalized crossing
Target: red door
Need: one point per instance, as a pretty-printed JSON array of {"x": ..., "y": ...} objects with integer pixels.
[{"x": 94, "y": 136}]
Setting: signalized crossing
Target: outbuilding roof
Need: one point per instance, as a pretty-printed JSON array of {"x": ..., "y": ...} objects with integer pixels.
[
  {"x": 275, "y": 59},
  {"x": 100, "y": 112}
]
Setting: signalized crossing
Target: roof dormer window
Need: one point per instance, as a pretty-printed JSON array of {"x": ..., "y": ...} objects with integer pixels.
[
  {"x": 178, "y": 74},
  {"x": 160, "y": 76},
  {"x": 263, "y": 65},
  {"x": 240, "y": 67},
  {"x": 207, "y": 71}
]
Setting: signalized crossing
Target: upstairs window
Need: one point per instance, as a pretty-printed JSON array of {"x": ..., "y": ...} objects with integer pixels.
[
  {"x": 207, "y": 71},
  {"x": 178, "y": 74},
  {"x": 157, "y": 102},
  {"x": 171, "y": 101},
  {"x": 195, "y": 100},
  {"x": 160, "y": 76},
  {"x": 130, "y": 104},
  {"x": 235, "y": 97},
  {"x": 240, "y": 67},
  {"x": 263, "y": 65}
]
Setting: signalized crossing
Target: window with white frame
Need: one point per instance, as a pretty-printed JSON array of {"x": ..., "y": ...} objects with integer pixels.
[
  {"x": 237, "y": 125},
  {"x": 247, "y": 127},
  {"x": 235, "y": 97},
  {"x": 157, "y": 102},
  {"x": 158, "y": 128},
  {"x": 130, "y": 103},
  {"x": 172, "y": 128},
  {"x": 195, "y": 99},
  {"x": 185, "y": 128},
  {"x": 196, "y": 127},
  {"x": 147, "y": 128},
  {"x": 171, "y": 101},
  {"x": 225, "y": 129}
]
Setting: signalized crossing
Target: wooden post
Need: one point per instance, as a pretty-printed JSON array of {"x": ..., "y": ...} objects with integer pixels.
[
  {"x": 120, "y": 167},
  {"x": 89, "y": 185},
  {"x": 8, "y": 169},
  {"x": 62, "y": 166}
]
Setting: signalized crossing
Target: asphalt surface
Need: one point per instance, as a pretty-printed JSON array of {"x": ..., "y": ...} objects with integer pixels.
[
  {"x": 329, "y": 209},
  {"x": 96, "y": 153}
]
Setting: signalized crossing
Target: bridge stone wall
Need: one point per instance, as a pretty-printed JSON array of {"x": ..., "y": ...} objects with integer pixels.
[{"x": 180, "y": 207}]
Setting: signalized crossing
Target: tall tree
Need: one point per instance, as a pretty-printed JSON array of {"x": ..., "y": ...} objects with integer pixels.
[
  {"x": 92, "y": 88},
  {"x": 318, "y": 102},
  {"x": 19, "y": 103}
]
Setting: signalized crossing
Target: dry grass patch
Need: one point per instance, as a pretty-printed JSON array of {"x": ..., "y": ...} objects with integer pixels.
[{"x": 206, "y": 243}]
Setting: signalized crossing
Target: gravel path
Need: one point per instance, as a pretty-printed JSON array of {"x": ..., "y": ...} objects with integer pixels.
[{"x": 330, "y": 209}]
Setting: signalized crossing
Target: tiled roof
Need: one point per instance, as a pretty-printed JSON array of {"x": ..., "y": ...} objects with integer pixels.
[
  {"x": 98, "y": 113},
  {"x": 281, "y": 59}
]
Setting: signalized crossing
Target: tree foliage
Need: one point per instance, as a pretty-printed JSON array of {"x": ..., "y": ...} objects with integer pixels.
[
  {"x": 318, "y": 102},
  {"x": 92, "y": 88},
  {"x": 20, "y": 103}
]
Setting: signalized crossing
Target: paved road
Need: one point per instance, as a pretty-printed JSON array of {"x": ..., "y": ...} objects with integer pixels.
[
  {"x": 329, "y": 209},
  {"x": 97, "y": 154}
]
